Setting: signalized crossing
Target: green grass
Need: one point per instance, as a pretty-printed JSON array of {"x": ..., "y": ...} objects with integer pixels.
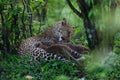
[
  {"x": 15, "y": 68},
  {"x": 107, "y": 70}
]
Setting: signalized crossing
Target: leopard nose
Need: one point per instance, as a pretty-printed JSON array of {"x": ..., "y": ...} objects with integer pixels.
[{"x": 63, "y": 38}]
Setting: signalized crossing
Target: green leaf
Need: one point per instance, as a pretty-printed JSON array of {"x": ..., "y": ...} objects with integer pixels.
[{"x": 1, "y": 3}]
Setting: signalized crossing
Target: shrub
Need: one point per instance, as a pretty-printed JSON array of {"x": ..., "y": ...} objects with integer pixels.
[{"x": 16, "y": 68}]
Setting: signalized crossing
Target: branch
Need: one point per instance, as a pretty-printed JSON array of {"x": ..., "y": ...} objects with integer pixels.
[
  {"x": 29, "y": 16},
  {"x": 73, "y": 9},
  {"x": 22, "y": 19},
  {"x": 84, "y": 7}
]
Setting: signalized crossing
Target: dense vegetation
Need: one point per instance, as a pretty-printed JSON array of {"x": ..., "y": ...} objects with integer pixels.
[{"x": 96, "y": 26}]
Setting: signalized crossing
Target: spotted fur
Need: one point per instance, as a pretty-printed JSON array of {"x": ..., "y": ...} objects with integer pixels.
[{"x": 36, "y": 46}]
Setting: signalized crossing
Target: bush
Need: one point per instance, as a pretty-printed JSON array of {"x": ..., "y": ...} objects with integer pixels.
[
  {"x": 15, "y": 68},
  {"x": 114, "y": 74},
  {"x": 109, "y": 70}
]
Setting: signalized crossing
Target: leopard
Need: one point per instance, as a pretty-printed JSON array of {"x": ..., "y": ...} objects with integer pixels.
[{"x": 53, "y": 39}]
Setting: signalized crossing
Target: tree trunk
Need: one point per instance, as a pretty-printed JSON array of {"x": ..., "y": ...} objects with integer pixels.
[
  {"x": 90, "y": 28},
  {"x": 91, "y": 33}
]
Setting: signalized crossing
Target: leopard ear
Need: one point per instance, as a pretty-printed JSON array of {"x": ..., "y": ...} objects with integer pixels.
[{"x": 64, "y": 21}]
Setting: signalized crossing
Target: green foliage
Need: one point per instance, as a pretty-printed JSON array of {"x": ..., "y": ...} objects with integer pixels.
[
  {"x": 117, "y": 44},
  {"x": 79, "y": 36},
  {"x": 115, "y": 72},
  {"x": 16, "y": 68},
  {"x": 109, "y": 69}
]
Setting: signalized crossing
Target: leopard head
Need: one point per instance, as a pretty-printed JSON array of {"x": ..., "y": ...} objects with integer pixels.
[{"x": 63, "y": 31}]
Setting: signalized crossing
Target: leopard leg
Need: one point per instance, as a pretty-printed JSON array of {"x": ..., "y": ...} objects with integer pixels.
[
  {"x": 63, "y": 50},
  {"x": 78, "y": 48}
]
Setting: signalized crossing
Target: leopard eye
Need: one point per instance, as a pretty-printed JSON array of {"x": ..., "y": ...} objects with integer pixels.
[{"x": 60, "y": 30}]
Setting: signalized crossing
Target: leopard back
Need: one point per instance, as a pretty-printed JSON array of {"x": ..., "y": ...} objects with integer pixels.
[{"x": 30, "y": 47}]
